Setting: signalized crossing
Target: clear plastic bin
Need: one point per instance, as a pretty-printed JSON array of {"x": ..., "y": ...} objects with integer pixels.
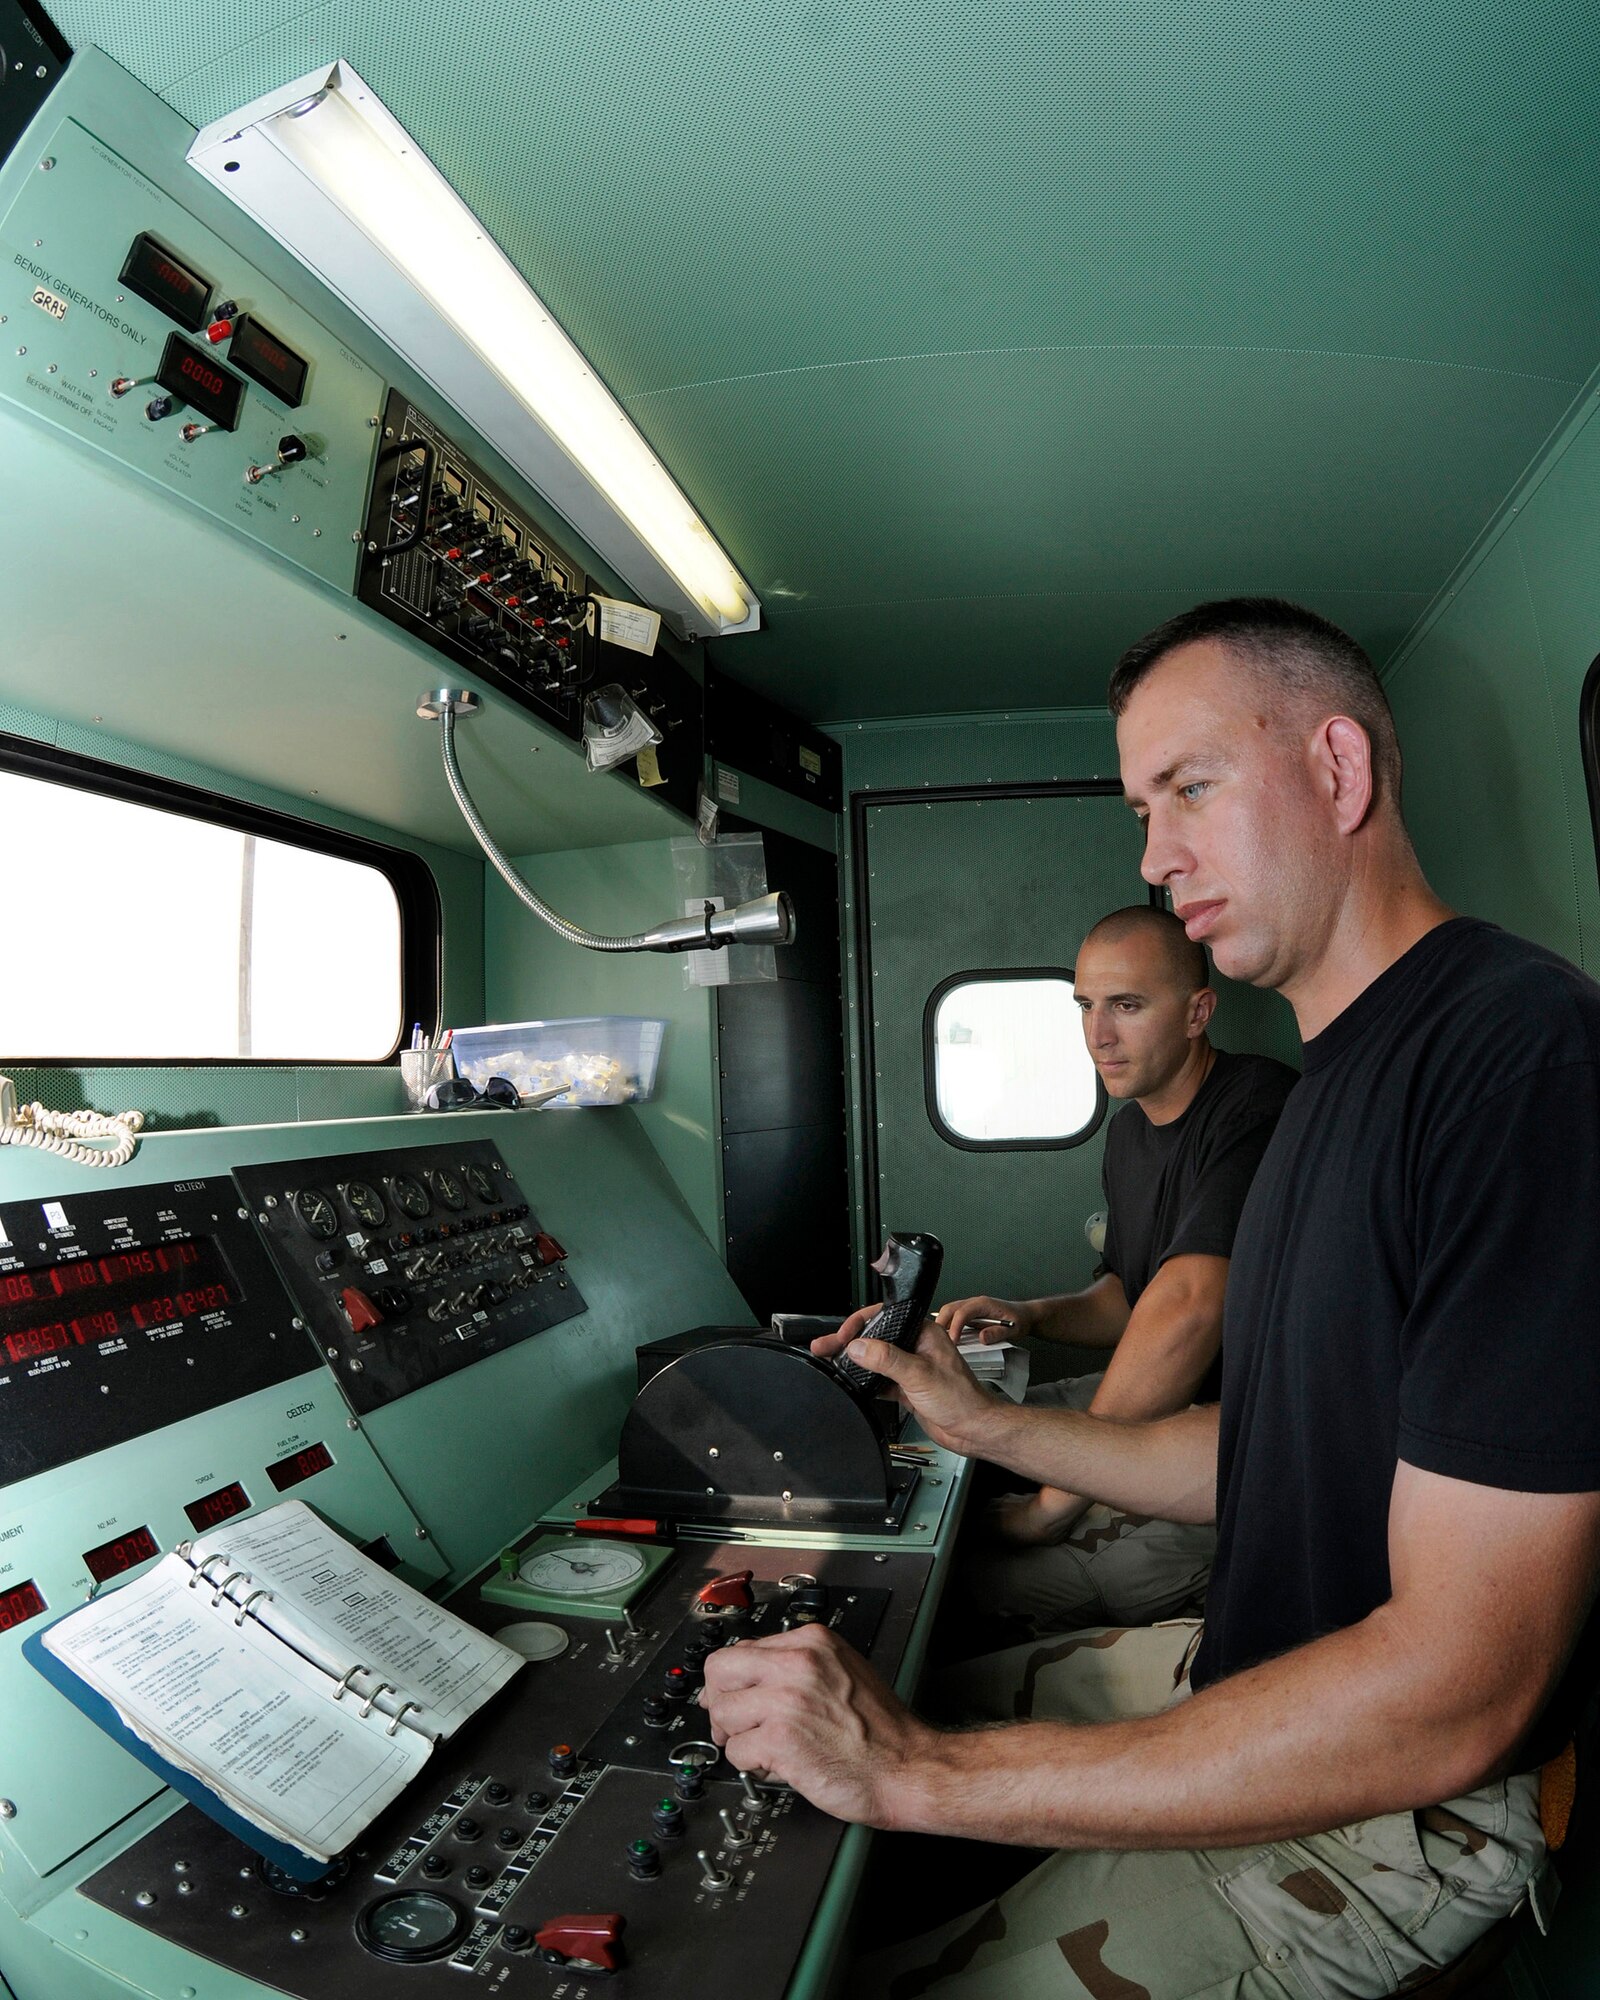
[{"x": 604, "y": 1059}]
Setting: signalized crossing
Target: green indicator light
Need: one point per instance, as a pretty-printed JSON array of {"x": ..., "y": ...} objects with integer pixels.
[{"x": 640, "y": 1847}]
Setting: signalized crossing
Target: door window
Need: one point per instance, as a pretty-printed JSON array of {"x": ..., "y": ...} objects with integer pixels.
[{"x": 1006, "y": 1065}]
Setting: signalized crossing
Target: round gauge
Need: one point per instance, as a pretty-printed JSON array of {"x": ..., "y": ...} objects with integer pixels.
[
  {"x": 414, "y": 1925},
  {"x": 317, "y": 1214},
  {"x": 584, "y": 1571},
  {"x": 447, "y": 1187},
  {"x": 480, "y": 1184},
  {"x": 365, "y": 1204},
  {"x": 409, "y": 1194}
]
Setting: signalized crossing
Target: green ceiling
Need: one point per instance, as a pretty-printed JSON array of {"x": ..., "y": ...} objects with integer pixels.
[{"x": 985, "y": 334}]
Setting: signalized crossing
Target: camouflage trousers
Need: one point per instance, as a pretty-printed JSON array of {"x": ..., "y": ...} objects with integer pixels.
[
  {"x": 1366, "y": 1910},
  {"x": 1112, "y": 1569}
]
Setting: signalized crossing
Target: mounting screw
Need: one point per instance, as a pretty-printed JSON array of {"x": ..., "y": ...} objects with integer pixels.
[
  {"x": 350, "y": 1424},
  {"x": 7, "y": 1809},
  {"x": 145, "y": 1899},
  {"x": 712, "y": 1452},
  {"x": 422, "y": 1534},
  {"x": 47, "y": 163},
  {"x": 243, "y": 1214}
]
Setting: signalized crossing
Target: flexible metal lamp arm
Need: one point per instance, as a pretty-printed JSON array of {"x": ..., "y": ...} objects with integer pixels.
[{"x": 767, "y": 920}]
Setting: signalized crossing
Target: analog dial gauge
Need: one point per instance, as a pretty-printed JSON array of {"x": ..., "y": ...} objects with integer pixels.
[
  {"x": 317, "y": 1214},
  {"x": 584, "y": 1570},
  {"x": 480, "y": 1184},
  {"x": 410, "y": 1194},
  {"x": 365, "y": 1203},
  {"x": 447, "y": 1187}
]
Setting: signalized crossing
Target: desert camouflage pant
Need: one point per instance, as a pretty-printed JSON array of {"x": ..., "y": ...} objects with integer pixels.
[
  {"x": 1366, "y": 1910},
  {"x": 1112, "y": 1569}
]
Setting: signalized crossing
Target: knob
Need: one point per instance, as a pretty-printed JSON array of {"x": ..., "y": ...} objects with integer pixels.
[
  {"x": 711, "y": 1876},
  {"x": 326, "y": 1259},
  {"x": 680, "y": 1682},
  {"x": 436, "y": 1865},
  {"x": 516, "y": 1937},
  {"x": 657, "y": 1710},
  {"x": 157, "y": 408},
  {"x": 536, "y": 1802},
  {"x": 219, "y": 330},
  {"x": 478, "y": 1877},
  {"x": 509, "y": 1837},
  {"x": 667, "y": 1817},
  {"x": 644, "y": 1860},
  {"x": 496, "y": 1794},
  {"x": 563, "y": 1760},
  {"x": 468, "y": 1829},
  {"x": 691, "y": 1781}
]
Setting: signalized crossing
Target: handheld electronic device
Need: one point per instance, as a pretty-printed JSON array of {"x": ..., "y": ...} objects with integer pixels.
[{"x": 909, "y": 1268}]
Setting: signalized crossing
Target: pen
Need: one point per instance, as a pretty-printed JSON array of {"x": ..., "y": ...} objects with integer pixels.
[
  {"x": 990, "y": 1322},
  {"x": 416, "y": 1036}
]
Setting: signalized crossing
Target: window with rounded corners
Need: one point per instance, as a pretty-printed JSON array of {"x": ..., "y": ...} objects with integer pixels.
[
  {"x": 152, "y": 923},
  {"x": 1005, "y": 1068},
  {"x": 1589, "y": 746}
]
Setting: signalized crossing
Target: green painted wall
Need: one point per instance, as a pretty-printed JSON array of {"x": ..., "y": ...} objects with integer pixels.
[
  {"x": 531, "y": 974},
  {"x": 1487, "y": 704},
  {"x": 264, "y": 1094}
]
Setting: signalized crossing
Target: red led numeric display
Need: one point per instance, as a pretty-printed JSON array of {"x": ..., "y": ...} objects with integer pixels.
[
  {"x": 299, "y": 1465},
  {"x": 124, "y": 1552},
  {"x": 219, "y": 1506},
  {"x": 20, "y": 1603},
  {"x": 166, "y": 283},
  {"x": 189, "y": 373},
  {"x": 265, "y": 359}
]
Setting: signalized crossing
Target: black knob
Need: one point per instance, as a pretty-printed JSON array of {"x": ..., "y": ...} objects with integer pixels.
[
  {"x": 327, "y": 1259},
  {"x": 157, "y": 408},
  {"x": 563, "y": 1760},
  {"x": 657, "y": 1708},
  {"x": 509, "y": 1837},
  {"x": 436, "y": 1865},
  {"x": 667, "y": 1815},
  {"x": 478, "y": 1876},
  {"x": 291, "y": 449},
  {"x": 536, "y": 1802},
  {"x": 681, "y": 1682},
  {"x": 516, "y": 1937},
  {"x": 496, "y": 1794},
  {"x": 468, "y": 1829}
]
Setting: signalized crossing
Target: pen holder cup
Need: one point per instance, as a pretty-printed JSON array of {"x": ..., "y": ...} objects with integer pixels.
[{"x": 420, "y": 1069}]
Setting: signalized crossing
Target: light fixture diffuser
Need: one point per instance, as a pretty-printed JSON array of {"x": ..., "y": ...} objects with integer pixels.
[{"x": 324, "y": 168}]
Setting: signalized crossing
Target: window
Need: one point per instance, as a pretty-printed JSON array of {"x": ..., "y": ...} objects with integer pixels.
[
  {"x": 149, "y": 922},
  {"x": 1005, "y": 1066}
]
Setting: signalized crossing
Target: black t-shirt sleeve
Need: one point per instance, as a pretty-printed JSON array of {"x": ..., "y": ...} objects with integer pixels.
[
  {"x": 1110, "y": 1251},
  {"x": 1500, "y": 1364},
  {"x": 1209, "y": 1219}
]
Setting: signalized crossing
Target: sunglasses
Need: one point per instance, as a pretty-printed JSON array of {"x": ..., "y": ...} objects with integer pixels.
[{"x": 455, "y": 1093}]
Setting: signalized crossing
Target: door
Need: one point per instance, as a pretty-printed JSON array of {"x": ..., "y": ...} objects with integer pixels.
[{"x": 980, "y": 882}]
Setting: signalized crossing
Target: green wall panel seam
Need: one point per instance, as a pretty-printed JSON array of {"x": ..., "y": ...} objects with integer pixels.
[{"x": 1555, "y": 744}]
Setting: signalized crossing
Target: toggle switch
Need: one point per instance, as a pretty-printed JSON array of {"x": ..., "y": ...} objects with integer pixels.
[
  {"x": 362, "y": 1314},
  {"x": 711, "y": 1876},
  {"x": 730, "y": 1592},
  {"x": 291, "y": 450},
  {"x": 733, "y": 1834},
  {"x": 583, "y": 1941}
]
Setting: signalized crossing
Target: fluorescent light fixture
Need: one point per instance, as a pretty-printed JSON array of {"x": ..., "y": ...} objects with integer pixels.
[{"x": 328, "y": 172}]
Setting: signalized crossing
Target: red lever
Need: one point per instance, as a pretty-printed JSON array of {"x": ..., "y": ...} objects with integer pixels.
[
  {"x": 547, "y": 1249},
  {"x": 734, "y": 1589},
  {"x": 359, "y": 1310},
  {"x": 584, "y": 1940}
]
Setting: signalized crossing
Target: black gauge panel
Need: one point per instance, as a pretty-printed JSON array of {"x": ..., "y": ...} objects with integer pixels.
[
  {"x": 411, "y": 1926},
  {"x": 447, "y": 1265}
]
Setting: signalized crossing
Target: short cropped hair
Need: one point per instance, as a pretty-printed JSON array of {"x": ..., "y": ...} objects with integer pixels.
[
  {"x": 1291, "y": 652},
  {"x": 1185, "y": 960}
]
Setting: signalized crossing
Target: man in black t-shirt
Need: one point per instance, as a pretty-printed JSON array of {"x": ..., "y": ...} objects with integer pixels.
[
  {"x": 1179, "y": 1158},
  {"x": 1340, "y": 1789}
]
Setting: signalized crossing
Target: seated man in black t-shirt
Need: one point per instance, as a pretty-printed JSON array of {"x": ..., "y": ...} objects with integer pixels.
[
  {"x": 1179, "y": 1158},
  {"x": 1336, "y": 1788}
]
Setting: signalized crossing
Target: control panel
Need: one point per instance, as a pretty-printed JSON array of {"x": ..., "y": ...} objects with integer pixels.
[
  {"x": 582, "y": 1825},
  {"x": 128, "y": 1309},
  {"x": 454, "y": 560},
  {"x": 131, "y": 326},
  {"x": 409, "y": 1266}
]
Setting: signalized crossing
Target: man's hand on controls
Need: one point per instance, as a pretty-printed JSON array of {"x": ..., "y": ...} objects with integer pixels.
[
  {"x": 934, "y": 1383},
  {"x": 804, "y": 1709}
]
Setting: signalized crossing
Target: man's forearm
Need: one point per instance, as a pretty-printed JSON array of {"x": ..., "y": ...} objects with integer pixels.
[
  {"x": 1094, "y": 1317},
  {"x": 1354, "y": 1725},
  {"x": 1166, "y": 1469}
]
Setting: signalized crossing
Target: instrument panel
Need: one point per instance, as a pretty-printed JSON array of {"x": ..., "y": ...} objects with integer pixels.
[{"x": 409, "y": 1266}]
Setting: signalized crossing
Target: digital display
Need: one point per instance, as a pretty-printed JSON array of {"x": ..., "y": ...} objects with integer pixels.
[
  {"x": 265, "y": 359},
  {"x": 299, "y": 1465},
  {"x": 219, "y": 1506},
  {"x": 189, "y": 372},
  {"x": 20, "y": 1603},
  {"x": 113, "y": 1557},
  {"x": 54, "y": 1308},
  {"x": 164, "y": 282}
]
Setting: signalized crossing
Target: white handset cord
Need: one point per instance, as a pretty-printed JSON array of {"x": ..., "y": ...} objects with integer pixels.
[{"x": 64, "y": 1132}]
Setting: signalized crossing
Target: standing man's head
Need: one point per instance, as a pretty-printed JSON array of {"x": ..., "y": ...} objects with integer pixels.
[
  {"x": 1258, "y": 747},
  {"x": 1146, "y": 999}
]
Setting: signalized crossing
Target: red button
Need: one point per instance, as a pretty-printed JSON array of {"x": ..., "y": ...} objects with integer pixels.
[
  {"x": 359, "y": 1310},
  {"x": 219, "y": 330},
  {"x": 734, "y": 1588},
  {"x": 586, "y": 1940}
]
